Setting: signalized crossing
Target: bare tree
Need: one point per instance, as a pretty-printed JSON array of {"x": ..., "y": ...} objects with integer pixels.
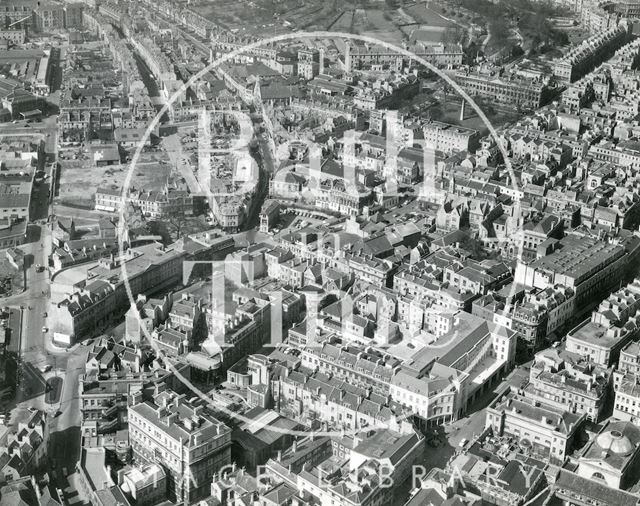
[{"x": 177, "y": 222}]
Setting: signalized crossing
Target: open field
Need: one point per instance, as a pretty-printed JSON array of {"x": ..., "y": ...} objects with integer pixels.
[
  {"x": 344, "y": 23},
  {"x": 269, "y": 17},
  {"x": 377, "y": 23},
  {"x": 257, "y": 18},
  {"x": 426, "y": 16},
  {"x": 78, "y": 185},
  {"x": 318, "y": 15},
  {"x": 450, "y": 113}
]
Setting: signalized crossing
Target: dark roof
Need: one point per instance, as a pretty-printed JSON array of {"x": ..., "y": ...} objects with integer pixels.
[{"x": 603, "y": 494}]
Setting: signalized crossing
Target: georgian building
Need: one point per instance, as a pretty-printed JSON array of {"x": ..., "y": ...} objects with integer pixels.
[{"x": 184, "y": 439}]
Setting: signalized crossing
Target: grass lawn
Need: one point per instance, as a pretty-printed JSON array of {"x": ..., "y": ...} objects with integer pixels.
[
  {"x": 451, "y": 114},
  {"x": 426, "y": 16}
]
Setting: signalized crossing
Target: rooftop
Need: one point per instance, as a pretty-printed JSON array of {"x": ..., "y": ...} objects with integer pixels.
[
  {"x": 554, "y": 418},
  {"x": 579, "y": 257}
]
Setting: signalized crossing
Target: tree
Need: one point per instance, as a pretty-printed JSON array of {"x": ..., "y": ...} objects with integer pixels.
[
  {"x": 445, "y": 93},
  {"x": 453, "y": 35},
  {"x": 177, "y": 222}
]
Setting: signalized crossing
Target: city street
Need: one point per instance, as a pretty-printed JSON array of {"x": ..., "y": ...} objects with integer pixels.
[
  {"x": 64, "y": 445},
  {"x": 34, "y": 342},
  {"x": 449, "y": 437},
  {"x": 35, "y": 299},
  {"x": 174, "y": 149}
]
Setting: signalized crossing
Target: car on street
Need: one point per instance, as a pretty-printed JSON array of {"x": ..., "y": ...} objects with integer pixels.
[
  {"x": 45, "y": 330},
  {"x": 45, "y": 368}
]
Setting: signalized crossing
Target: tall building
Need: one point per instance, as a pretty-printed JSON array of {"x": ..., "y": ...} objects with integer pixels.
[
  {"x": 549, "y": 431},
  {"x": 187, "y": 442},
  {"x": 586, "y": 56},
  {"x": 614, "y": 324},
  {"x": 18, "y": 14},
  {"x": 48, "y": 16},
  {"x": 513, "y": 90},
  {"x": 73, "y": 15},
  {"x": 569, "y": 381},
  {"x": 587, "y": 265}
]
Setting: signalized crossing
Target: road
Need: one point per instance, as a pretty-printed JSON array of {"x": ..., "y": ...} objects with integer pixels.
[
  {"x": 151, "y": 84},
  {"x": 485, "y": 42},
  {"x": 45, "y": 130},
  {"x": 64, "y": 443},
  {"x": 35, "y": 299},
  {"x": 173, "y": 146},
  {"x": 35, "y": 347}
]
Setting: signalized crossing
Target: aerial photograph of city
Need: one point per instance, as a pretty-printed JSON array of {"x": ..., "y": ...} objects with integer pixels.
[{"x": 320, "y": 252}]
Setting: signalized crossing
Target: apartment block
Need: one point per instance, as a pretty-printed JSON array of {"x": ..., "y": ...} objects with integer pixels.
[
  {"x": 184, "y": 439},
  {"x": 549, "y": 431}
]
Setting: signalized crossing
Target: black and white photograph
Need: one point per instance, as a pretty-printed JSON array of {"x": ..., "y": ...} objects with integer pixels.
[{"x": 320, "y": 252}]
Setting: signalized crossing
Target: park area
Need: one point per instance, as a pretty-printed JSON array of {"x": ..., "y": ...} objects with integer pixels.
[
  {"x": 423, "y": 15},
  {"x": 380, "y": 24},
  {"x": 271, "y": 17},
  {"x": 259, "y": 19},
  {"x": 449, "y": 112}
]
